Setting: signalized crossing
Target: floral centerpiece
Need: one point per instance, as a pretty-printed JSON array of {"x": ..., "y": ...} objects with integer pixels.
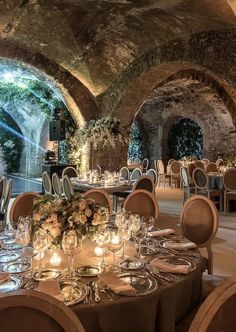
[{"x": 55, "y": 215}]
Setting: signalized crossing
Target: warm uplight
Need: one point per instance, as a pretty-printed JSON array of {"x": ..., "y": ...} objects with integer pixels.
[{"x": 55, "y": 259}]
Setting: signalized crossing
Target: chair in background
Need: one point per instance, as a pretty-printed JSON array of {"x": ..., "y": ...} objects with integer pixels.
[
  {"x": 175, "y": 173},
  {"x": 142, "y": 202},
  {"x": 200, "y": 164},
  {"x": 47, "y": 183},
  {"x": 145, "y": 164},
  {"x": 153, "y": 175},
  {"x": 201, "y": 182},
  {"x": 67, "y": 187},
  {"x": 211, "y": 167},
  {"x": 199, "y": 222},
  {"x": 185, "y": 183},
  {"x": 27, "y": 310},
  {"x": 191, "y": 168},
  {"x": 5, "y": 203},
  {"x": 101, "y": 197},
  {"x": 3, "y": 183},
  {"x": 162, "y": 176},
  {"x": 124, "y": 173},
  {"x": 229, "y": 180},
  {"x": 219, "y": 162},
  {"x": 70, "y": 171},
  {"x": 145, "y": 183},
  {"x": 22, "y": 206},
  {"x": 205, "y": 161},
  {"x": 56, "y": 184},
  {"x": 136, "y": 173},
  {"x": 217, "y": 312}
]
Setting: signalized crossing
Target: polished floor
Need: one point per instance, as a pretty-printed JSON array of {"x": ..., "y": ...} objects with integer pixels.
[{"x": 224, "y": 244}]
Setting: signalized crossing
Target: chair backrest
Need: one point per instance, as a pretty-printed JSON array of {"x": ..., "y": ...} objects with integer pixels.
[
  {"x": 136, "y": 173},
  {"x": 191, "y": 168},
  {"x": 217, "y": 312},
  {"x": 70, "y": 171},
  {"x": 219, "y": 162},
  {"x": 47, "y": 183},
  {"x": 200, "y": 164},
  {"x": 6, "y": 196},
  {"x": 3, "y": 183},
  {"x": 160, "y": 167},
  {"x": 56, "y": 184},
  {"x": 175, "y": 168},
  {"x": 67, "y": 187},
  {"x": 199, "y": 220},
  {"x": 26, "y": 310},
  {"x": 142, "y": 202},
  {"x": 145, "y": 164},
  {"x": 145, "y": 183},
  {"x": 200, "y": 178},
  {"x": 170, "y": 161},
  {"x": 184, "y": 176},
  {"x": 101, "y": 197},
  {"x": 124, "y": 173},
  {"x": 205, "y": 161},
  {"x": 153, "y": 175},
  {"x": 137, "y": 161},
  {"x": 211, "y": 167},
  {"x": 229, "y": 179},
  {"x": 22, "y": 206}
]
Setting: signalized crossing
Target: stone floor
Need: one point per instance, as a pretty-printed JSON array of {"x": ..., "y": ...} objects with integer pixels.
[{"x": 224, "y": 244}]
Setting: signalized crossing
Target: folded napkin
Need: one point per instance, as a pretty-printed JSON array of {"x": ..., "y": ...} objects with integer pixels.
[
  {"x": 51, "y": 287},
  {"x": 180, "y": 245},
  {"x": 4, "y": 277},
  {"x": 163, "y": 266},
  {"x": 116, "y": 284},
  {"x": 162, "y": 232}
]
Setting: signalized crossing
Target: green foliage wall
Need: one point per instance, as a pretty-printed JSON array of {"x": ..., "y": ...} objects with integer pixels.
[{"x": 135, "y": 150}]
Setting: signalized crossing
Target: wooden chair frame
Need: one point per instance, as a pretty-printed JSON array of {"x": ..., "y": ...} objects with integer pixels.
[
  {"x": 67, "y": 169},
  {"x": 101, "y": 192},
  {"x": 45, "y": 176},
  {"x": 141, "y": 179}
]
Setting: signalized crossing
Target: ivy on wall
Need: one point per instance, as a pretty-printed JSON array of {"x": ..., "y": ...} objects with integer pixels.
[
  {"x": 185, "y": 140},
  {"x": 135, "y": 150}
]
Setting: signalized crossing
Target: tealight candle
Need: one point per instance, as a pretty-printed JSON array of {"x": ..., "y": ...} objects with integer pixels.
[
  {"x": 55, "y": 259},
  {"x": 99, "y": 251},
  {"x": 115, "y": 239}
]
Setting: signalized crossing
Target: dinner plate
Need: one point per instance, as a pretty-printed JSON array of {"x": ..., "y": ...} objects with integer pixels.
[
  {"x": 89, "y": 270},
  {"x": 131, "y": 264},
  {"x": 144, "y": 283},
  {"x": 15, "y": 246},
  {"x": 47, "y": 275},
  {"x": 16, "y": 267},
  {"x": 175, "y": 260},
  {"x": 72, "y": 292},
  {"x": 13, "y": 284},
  {"x": 173, "y": 241},
  {"x": 6, "y": 257}
]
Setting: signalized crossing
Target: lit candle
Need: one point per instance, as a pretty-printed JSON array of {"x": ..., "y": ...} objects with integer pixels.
[
  {"x": 99, "y": 251},
  {"x": 55, "y": 259},
  {"x": 115, "y": 239}
]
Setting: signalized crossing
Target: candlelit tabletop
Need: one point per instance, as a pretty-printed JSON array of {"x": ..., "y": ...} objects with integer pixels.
[{"x": 109, "y": 187}]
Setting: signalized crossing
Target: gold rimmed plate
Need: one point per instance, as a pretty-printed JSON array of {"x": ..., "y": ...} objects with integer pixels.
[
  {"x": 89, "y": 270},
  {"x": 73, "y": 292},
  {"x": 131, "y": 264},
  {"x": 16, "y": 267},
  {"x": 143, "y": 283},
  {"x": 8, "y": 257},
  {"x": 175, "y": 260},
  {"x": 49, "y": 274},
  {"x": 11, "y": 285}
]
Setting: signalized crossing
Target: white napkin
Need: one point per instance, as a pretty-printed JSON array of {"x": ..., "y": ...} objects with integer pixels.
[
  {"x": 171, "y": 268},
  {"x": 179, "y": 245},
  {"x": 50, "y": 287},
  {"x": 162, "y": 232},
  {"x": 116, "y": 284},
  {"x": 4, "y": 277}
]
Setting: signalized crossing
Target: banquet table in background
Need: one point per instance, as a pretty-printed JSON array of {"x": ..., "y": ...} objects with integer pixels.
[{"x": 113, "y": 188}]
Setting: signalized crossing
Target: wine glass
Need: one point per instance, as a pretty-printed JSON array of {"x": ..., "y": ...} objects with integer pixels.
[
  {"x": 115, "y": 243},
  {"x": 139, "y": 234},
  {"x": 102, "y": 242},
  {"x": 40, "y": 244},
  {"x": 149, "y": 222},
  {"x": 69, "y": 245}
]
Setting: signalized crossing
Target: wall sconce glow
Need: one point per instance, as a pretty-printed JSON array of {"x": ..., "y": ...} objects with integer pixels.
[{"x": 55, "y": 259}]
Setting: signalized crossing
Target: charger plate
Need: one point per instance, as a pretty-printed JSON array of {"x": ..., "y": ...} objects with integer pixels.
[
  {"x": 5, "y": 257},
  {"x": 73, "y": 292},
  {"x": 16, "y": 267},
  {"x": 144, "y": 283},
  {"x": 176, "y": 260},
  {"x": 48, "y": 274},
  {"x": 89, "y": 270},
  {"x": 13, "y": 284}
]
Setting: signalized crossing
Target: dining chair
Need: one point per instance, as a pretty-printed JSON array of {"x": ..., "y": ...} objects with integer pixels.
[
  {"x": 201, "y": 182},
  {"x": 217, "y": 312},
  {"x": 175, "y": 173},
  {"x": 3, "y": 183},
  {"x": 219, "y": 162},
  {"x": 28, "y": 310},
  {"x": 162, "y": 176},
  {"x": 199, "y": 222},
  {"x": 124, "y": 173},
  {"x": 211, "y": 167},
  {"x": 56, "y": 184},
  {"x": 185, "y": 183},
  {"x": 229, "y": 181},
  {"x": 142, "y": 202},
  {"x": 70, "y": 171},
  {"x": 135, "y": 174},
  {"x": 47, "y": 183},
  {"x": 145, "y": 183},
  {"x": 22, "y": 206},
  {"x": 205, "y": 161},
  {"x": 153, "y": 175},
  {"x": 145, "y": 164},
  {"x": 191, "y": 168},
  {"x": 67, "y": 187},
  {"x": 200, "y": 164},
  {"x": 5, "y": 203},
  {"x": 101, "y": 197}
]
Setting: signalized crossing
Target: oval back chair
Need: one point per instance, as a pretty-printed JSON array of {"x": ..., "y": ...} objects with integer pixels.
[
  {"x": 142, "y": 202},
  {"x": 199, "y": 222},
  {"x": 145, "y": 164},
  {"x": 229, "y": 180},
  {"x": 124, "y": 173},
  {"x": 5, "y": 203},
  {"x": 56, "y": 184},
  {"x": 185, "y": 182},
  {"x": 211, "y": 167},
  {"x": 153, "y": 175},
  {"x": 47, "y": 183},
  {"x": 219, "y": 162},
  {"x": 145, "y": 183},
  {"x": 160, "y": 167},
  {"x": 200, "y": 164},
  {"x": 67, "y": 187},
  {"x": 175, "y": 172},
  {"x": 205, "y": 161},
  {"x": 136, "y": 173},
  {"x": 101, "y": 197},
  {"x": 27, "y": 310},
  {"x": 22, "y": 206},
  {"x": 70, "y": 171},
  {"x": 3, "y": 183},
  {"x": 217, "y": 312},
  {"x": 191, "y": 168},
  {"x": 200, "y": 179}
]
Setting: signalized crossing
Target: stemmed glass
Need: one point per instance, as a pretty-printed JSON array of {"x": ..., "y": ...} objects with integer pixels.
[
  {"x": 149, "y": 222},
  {"x": 69, "y": 245},
  {"x": 140, "y": 234},
  {"x": 102, "y": 242},
  {"x": 115, "y": 243},
  {"x": 40, "y": 244}
]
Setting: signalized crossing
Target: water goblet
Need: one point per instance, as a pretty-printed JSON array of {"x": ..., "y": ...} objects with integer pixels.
[
  {"x": 102, "y": 242},
  {"x": 140, "y": 235},
  {"x": 115, "y": 243},
  {"x": 40, "y": 244},
  {"x": 69, "y": 246}
]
